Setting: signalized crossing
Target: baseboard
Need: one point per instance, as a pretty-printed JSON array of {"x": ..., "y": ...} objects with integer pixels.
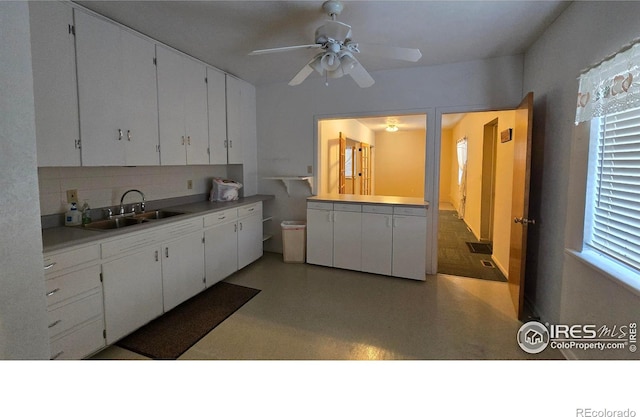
[{"x": 500, "y": 267}]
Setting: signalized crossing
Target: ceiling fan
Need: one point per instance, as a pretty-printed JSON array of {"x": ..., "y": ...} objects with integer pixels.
[{"x": 336, "y": 57}]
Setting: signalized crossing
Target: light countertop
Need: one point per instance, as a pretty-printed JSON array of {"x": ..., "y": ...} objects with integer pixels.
[{"x": 371, "y": 199}]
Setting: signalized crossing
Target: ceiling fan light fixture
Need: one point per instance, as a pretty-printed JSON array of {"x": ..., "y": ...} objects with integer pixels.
[
  {"x": 330, "y": 61},
  {"x": 392, "y": 128}
]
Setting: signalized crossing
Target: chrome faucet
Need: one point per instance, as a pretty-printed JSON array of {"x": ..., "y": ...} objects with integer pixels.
[{"x": 133, "y": 206}]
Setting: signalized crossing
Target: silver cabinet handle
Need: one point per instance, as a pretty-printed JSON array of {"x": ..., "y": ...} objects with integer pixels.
[
  {"x": 222, "y": 218},
  {"x": 235, "y": 227},
  {"x": 231, "y": 144},
  {"x": 55, "y": 323},
  {"x": 226, "y": 143},
  {"x": 57, "y": 355},
  {"x": 129, "y": 135},
  {"x": 119, "y": 134},
  {"x": 183, "y": 140},
  {"x": 240, "y": 226},
  {"x": 251, "y": 209},
  {"x": 156, "y": 256},
  {"x": 50, "y": 293},
  {"x": 189, "y": 140},
  {"x": 51, "y": 265},
  {"x": 166, "y": 252}
]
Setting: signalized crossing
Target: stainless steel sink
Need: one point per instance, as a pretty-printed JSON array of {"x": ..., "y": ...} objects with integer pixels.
[
  {"x": 155, "y": 215},
  {"x": 120, "y": 222},
  {"x": 115, "y": 223}
]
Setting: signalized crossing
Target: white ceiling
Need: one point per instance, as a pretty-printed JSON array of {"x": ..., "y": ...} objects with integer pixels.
[{"x": 222, "y": 33}]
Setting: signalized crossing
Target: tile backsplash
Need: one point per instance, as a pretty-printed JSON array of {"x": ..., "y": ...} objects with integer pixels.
[{"x": 103, "y": 186}]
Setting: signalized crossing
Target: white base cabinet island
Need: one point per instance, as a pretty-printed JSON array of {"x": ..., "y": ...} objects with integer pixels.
[{"x": 375, "y": 234}]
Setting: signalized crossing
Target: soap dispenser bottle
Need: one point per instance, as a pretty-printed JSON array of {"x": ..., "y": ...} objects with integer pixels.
[{"x": 72, "y": 216}]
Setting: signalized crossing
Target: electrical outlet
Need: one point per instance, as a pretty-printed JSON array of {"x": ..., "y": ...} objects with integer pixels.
[
  {"x": 189, "y": 184},
  {"x": 72, "y": 196},
  {"x": 309, "y": 169}
]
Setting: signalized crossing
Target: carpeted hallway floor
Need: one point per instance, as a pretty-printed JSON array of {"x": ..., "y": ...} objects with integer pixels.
[{"x": 454, "y": 256}]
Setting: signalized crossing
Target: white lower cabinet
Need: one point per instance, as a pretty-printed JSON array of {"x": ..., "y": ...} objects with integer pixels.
[
  {"x": 380, "y": 239},
  {"x": 233, "y": 240},
  {"x": 182, "y": 269},
  {"x": 132, "y": 291},
  {"x": 74, "y": 302}
]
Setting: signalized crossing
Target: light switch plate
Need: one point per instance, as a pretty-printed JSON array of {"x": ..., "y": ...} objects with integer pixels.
[{"x": 72, "y": 196}]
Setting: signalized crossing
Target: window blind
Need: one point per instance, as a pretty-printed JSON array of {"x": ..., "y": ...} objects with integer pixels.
[{"x": 614, "y": 227}]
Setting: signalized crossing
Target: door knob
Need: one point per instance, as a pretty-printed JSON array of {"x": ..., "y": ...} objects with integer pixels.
[{"x": 522, "y": 220}]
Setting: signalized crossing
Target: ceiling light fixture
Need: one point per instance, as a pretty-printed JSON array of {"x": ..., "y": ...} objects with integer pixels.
[{"x": 392, "y": 128}]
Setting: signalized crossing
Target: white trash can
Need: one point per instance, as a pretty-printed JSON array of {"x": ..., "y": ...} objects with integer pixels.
[{"x": 294, "y": 241}]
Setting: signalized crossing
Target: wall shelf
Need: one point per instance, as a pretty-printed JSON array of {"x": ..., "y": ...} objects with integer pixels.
[{"x": 286, "y": 181}]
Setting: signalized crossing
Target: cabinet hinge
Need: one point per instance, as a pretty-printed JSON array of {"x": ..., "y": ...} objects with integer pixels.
[
  {"x": 78, "y": 144},
  {"x": 155, "y": 61},
  {"x": 204, "y": 280},
  {"x": 203, "y": 239},
  {"x": 157, "y": 148},
  {"x": 100, "y": 276},
  {"x": 208, "y": 151},
  {"x": 206, "y": 80},
  {"x": 104, "y": 333},
  {"x": 72, "y": 30}
]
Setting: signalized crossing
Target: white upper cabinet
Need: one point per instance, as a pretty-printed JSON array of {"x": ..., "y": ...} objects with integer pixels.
[
  {"x": 117, "y": 94},
  {"x": 54, "y": 84},
  {"x": 217, "y": 107},
  {"x": 241, "y": 117},
  {"x": 182, "y": 105}
]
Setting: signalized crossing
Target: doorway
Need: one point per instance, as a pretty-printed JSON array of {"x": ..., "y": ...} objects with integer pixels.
[{"x": 475, "y": 197}]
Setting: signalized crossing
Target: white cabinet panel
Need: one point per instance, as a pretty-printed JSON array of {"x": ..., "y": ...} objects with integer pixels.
[
  {"x": 221, "y": 252},
  {"x": 319, "y": 237},
  {"x": 182, "y": 269},
  {"x": 241, "y": 117},
  {"x": 182, "y": 106},
  {"x": 377, "y": 241},
  {"x": 249, "y": 238},
  {"x": 117, "y": 94},
  {"x": 409, "y": 246},
  {"x": 347, "y": 239},
  {"x": 55, "y": 87},
  {"x": 132, "y": 292},
  {"x": 217, "y": 108}
]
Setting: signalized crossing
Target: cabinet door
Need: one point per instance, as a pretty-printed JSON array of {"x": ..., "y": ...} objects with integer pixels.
[
  {"x": 132, "y": 292},
  {"x": 171, "y": 105},
  {"x": 319, "y": 237},
  {"x": 249, "y": 239},
  {"x": 347, "y": 240},
  {"x": 99, "y": 65},
  {"x": 139, "y": 101},
  {"x": 409, "y": 246},
  {"x": 241, "y": 117},
  {"x": 182, "y": 269},
  {"x": 55, "y": 88},
  {"x": 217, "y": 108},
  {"x": 195, "y": 112},
  {"x": 221, "y": 252},
  {"x": 377, "y": 240}
]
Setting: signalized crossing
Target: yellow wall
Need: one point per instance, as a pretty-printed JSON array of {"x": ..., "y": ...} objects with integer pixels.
[
  {"x": 472, "y": 126},
  {"x": 399, "y": 163}
]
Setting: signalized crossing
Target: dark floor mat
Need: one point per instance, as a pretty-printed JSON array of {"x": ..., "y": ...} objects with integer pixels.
[{"x": 475, "y": 247}]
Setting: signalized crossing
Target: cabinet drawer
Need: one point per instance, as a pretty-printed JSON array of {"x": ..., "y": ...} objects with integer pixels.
[
  {"x": 220, "y": 217},
  {"x": 182, "y": 228},
  {"x": 69, "y": 285},
  {"x": 357, "y": 208},
  {"x": 59, "y": 261},
  {"x": 127, "y": 244},
  {"x": 317, "y": 205},
  {"x": 378, "y": 209},
  {"x": 64, "y": 318},
  {"x": 80, "y": 343},
  {"x": 410, "y": 211},
  {"x": 249, "y": 210}
]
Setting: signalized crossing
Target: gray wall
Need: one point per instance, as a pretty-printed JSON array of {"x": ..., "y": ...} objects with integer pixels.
[
  {"x": 23, "y": 328},
  {"x": 562, "y": 288}
]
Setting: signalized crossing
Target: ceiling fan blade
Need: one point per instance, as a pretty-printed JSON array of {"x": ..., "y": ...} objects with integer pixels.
[
  {"x": 334, "y": 30},
  {"x": 302, "y": 75},
  {"x": 393, "y": 52},
  {"x": 284, "y": 49},
  {"x": 361, "y": 76}
]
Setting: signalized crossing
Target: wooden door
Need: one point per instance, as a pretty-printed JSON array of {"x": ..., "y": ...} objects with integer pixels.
[
  {"x": 520, "y": 201},
  {"x": 364, "y": 165}
]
